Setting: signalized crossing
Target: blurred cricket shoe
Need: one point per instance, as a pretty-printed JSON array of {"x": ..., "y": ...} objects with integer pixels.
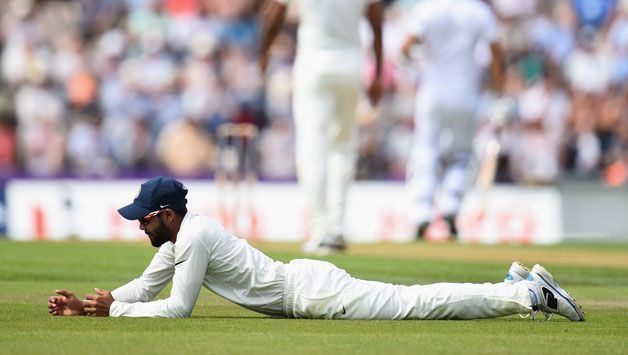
[
  {"x": 421, "y": 230},
  {"x": 451, "y": 223},
  {"x": 548, "y": 297},
  {"x": 327, "y": 246},
  {"x": 517, "y": 272},
  {"x": 332, "y": 245},
  {"x": 310, "y": 246}
]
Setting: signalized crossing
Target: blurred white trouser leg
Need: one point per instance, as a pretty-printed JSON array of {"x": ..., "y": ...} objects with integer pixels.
[
  {"x": 424, "y": 160},
  {"x": 444, "y": 132},
  {"x": 459, "y": 119},
  {"x": 324, "y": 108},
  {"x": 343, "y": 147}
]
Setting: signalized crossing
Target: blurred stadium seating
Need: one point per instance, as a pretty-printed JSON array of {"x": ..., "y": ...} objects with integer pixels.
[{"x": 131, "y": 88}]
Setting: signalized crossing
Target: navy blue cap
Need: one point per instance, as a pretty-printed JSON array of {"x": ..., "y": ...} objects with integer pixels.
[{"x": 156, "y": 194}]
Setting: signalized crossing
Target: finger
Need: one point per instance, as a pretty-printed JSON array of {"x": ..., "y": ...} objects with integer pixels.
[
  {"x": 99, "y": 291},
  {"x": 65, "y": 293},
  {"x": 90, "y": 296},
  {"x": 89, "y": 303},
  {"x": 57, "y": 299}
]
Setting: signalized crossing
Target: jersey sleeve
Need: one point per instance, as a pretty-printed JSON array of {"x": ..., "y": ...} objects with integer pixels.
[
  {"x": 156, "y": 276},
  {"x": 191, "y": 260}
]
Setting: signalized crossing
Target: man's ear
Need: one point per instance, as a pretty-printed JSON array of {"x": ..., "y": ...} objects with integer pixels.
[{"x": 169, "y": 214}]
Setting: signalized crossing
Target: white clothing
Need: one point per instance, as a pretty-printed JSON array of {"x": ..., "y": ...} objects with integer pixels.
[
  {"x": 450, "y": 32},
  {"x": 326, "y": 144},
  {"x": 327, "y": 80},
  {"x": 205, "y": 254},
  {"x": 328, "y": 34},
  {"x": 442, "y": 151},
  {"x": 318, "y": 289},
  {"x": 588, "y": 72}
]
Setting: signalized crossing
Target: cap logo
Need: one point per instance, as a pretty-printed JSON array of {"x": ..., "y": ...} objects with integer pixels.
[{"x": 164, "y": 206}]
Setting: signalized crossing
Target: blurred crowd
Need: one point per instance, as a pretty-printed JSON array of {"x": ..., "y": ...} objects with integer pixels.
[{"x": 124, "y": 87}]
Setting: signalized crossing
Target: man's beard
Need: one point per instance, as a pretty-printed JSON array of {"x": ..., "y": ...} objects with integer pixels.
[{"x": 161, "y": 235}]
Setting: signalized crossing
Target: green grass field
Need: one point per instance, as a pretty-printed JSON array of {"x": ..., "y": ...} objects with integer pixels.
[{"x": 597, "y": 275}]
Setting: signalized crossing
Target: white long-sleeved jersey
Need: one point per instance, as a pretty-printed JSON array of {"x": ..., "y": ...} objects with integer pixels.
[{"x": 204, "y": 254}]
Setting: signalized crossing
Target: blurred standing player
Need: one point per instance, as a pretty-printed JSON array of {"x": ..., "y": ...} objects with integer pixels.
[
  {"x": 449, "y": 32},
  {"x": 327, "y": 79}
]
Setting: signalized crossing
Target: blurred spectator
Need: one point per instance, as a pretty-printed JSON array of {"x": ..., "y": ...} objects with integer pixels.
[
  {"x": 543, "y": 109},
  {"x": 594, "y": 13},
  {"x": 87, "y": 148},
  {"x": 618, "y": 38},
  {"x": 553, "y": 30},
  {"x": 185, "y": 149},
  {"x": 588, "y": 69},
  {"x": 372, "y": 163},
  {"x": 7, "y": 147},
  {"x": 130, "y": 143},
  {"x": 43, "y": 148},
  {"x": 8, "y": 140},
  {"x": 276, "y": 145},
  {"x": 583, "y": 148}
]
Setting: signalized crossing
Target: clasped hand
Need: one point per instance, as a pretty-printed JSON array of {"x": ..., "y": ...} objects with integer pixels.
[{"x": 67, "y": 304}]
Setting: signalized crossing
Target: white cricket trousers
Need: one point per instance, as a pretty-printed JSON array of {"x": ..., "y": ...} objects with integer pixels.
[
  {"x": 324, "y": 102},
  {"x": 443, "y": 136},
  {"x": 318, "y": 289}
]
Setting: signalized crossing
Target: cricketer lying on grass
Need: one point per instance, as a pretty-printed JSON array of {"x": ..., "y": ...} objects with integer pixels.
[{"x": 197, "y": 251}]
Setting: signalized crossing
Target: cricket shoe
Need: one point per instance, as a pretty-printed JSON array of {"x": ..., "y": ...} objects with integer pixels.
[
  {"x": 517, "y": 272},
  {"x": 548, "y": 297}
]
